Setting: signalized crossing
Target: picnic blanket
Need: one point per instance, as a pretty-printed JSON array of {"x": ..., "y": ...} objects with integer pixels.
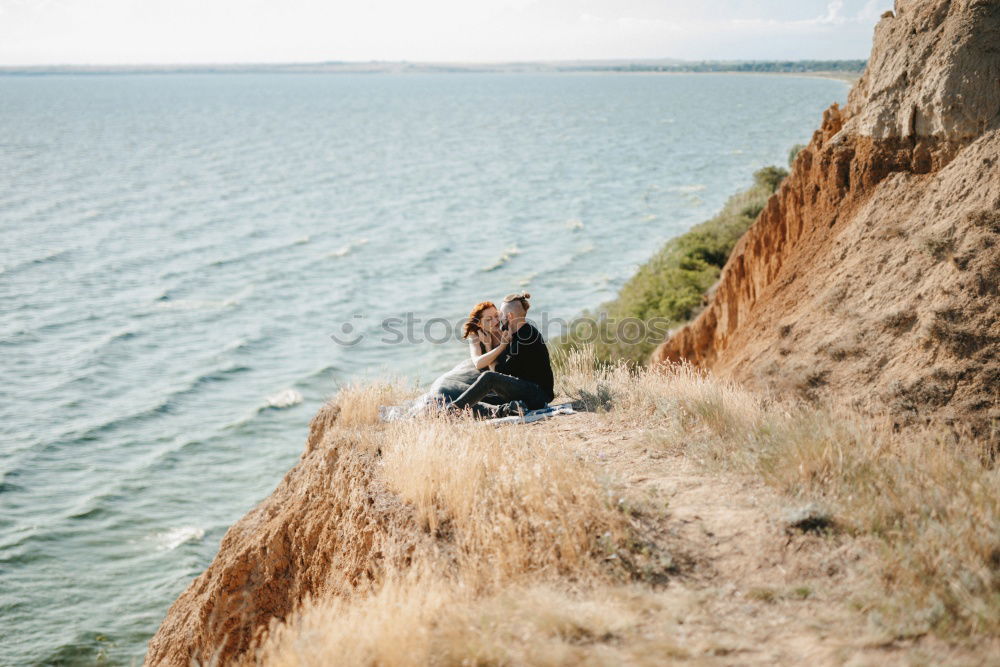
[
  {"x": 393, "y": 413},
  {"x": 534, "y": 415}
]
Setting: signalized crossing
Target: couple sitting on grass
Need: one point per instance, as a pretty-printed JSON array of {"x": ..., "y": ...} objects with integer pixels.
[{"x": 508, "y": 372}]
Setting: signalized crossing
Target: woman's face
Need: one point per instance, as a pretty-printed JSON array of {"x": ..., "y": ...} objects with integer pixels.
[{"x": 490, "y": 321}]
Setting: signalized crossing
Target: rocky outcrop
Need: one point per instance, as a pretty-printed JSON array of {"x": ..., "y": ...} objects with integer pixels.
[{"x": 873, "y": 272}]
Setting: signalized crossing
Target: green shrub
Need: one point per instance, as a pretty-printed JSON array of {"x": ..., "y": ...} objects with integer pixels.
[
  {"x": 769, "y": 177},
  {"x": 669, "y": 289}
]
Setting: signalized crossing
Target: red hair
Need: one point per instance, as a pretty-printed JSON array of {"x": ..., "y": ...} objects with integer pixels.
[{"x": 471, "y": 325}]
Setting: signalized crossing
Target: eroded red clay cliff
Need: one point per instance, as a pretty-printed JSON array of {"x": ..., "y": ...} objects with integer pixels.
[
  {"x": 300, "y": 542},
  {"x": 873, "y": 272}
]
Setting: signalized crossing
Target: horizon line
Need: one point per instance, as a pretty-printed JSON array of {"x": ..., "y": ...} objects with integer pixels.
[{"x": 665, "y": 60}]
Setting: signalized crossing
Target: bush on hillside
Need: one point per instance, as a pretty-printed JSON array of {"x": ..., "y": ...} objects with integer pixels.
[{"x": 669, "y": 289}]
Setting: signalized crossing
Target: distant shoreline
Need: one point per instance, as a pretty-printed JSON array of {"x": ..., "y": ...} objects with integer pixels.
[
  {"x": 841, "y": 70},
  {"x": 846, "y": 77}
]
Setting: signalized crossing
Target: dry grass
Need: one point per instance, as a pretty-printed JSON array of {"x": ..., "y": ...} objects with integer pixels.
[
  {"x": 494, "y": 509},
  {"x": 424, "y": 620},
  {"x": 512, "y": 539},
  {"x": 510, "y": 503},
  {"x": 357, "y": 404},
  {"x": 513, "y": 499},
  {"x": 931, "y": 496}
]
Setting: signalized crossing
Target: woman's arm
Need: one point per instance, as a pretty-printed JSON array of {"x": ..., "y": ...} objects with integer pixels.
[{"x": 484, "y": 360}]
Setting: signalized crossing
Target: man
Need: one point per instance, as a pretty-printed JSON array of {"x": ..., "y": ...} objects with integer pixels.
[{"x": 523, "y": 372}]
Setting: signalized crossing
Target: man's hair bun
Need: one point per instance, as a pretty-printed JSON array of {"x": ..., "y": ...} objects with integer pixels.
[{"x": 521, "y": 297}]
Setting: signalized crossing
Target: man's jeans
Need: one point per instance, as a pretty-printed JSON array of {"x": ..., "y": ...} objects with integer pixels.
[{"x": 508, "y": 387}]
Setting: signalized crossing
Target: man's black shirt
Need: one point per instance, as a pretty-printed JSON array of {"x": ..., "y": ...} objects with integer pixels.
[{"x": 527, "y": 358}]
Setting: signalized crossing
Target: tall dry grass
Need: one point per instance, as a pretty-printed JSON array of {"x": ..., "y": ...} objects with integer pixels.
[
  {"x": 498, "y": 510},
  {"x": 513, "y": 498},
  {"x": 429, "y": 620},
  {"x": 931, "y": 496},
  {"x": 509, "y": 502}
]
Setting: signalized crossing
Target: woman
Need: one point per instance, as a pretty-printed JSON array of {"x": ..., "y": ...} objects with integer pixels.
[{"x": 486, "y": 343}]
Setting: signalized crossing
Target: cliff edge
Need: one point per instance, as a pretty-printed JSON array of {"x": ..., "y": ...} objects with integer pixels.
[
  {"x": 315, "y": 536},
  {"x": 872, "y": 274}
]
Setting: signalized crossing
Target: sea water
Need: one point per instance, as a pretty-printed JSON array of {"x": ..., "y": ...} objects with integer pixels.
[{"x": 181, "y": 254}]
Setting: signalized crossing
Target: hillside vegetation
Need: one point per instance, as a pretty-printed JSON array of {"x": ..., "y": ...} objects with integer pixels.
[{"x": 669, "y": 289}]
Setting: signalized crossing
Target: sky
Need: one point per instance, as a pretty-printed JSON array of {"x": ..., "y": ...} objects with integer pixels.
[{"x": 49, "y": 32}]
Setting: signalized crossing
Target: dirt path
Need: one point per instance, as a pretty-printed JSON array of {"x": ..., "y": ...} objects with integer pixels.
[{"x": 749, "y": 590}]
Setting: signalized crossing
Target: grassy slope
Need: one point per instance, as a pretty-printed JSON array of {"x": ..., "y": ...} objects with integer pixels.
[
  {"x": 669, "y": 289},
  {"x": 649, "y": 530}
]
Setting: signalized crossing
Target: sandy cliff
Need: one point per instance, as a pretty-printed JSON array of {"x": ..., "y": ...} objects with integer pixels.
[
  {"x": 873, "y": 272},
  {"x": 299, "y": 543}
]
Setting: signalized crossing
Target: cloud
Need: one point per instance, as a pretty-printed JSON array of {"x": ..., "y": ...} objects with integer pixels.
[{"x": 832, "y": 13}]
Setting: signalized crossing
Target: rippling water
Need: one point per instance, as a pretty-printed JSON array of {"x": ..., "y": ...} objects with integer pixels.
[{"x": 177, "y": 250}]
